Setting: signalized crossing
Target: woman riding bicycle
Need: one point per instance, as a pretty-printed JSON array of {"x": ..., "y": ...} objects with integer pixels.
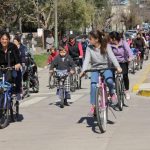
[
  {"x": 97, "y": 53},
  {"x": 123, "y": 54},
  {"x": 9, "y": 56}
]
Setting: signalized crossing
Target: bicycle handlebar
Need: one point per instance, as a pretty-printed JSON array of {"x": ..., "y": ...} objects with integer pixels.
[
  {"x": 6, "y": 68},
  {"x": 100, "y": 69}
]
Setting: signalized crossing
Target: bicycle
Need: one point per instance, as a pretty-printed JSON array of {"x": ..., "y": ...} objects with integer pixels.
[
  {"x": 73, "y": 83},
  {"x": 132, "y": 66},
  {"x": 139, "y": 61},
  {"x": 102, "y": 100},
  {"x": 61, "y": 77},
  {"x": 78, "y": 79},
  {"x": 6, "y": 100},
  {"x": 52, "y": 80},
  {"x": 120, "y": 90},
  {"x": 146, "y": 54}
]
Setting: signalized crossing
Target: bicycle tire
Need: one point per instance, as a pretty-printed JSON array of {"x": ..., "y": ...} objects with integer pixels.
[
  {"x": 4, "y": 122},
  {"x": 17, "y": 110},
  {"x": 51, "y": 80},
  {"x": 101, "y": 114},
  {"x": 35, "y": 87},
  {"x": 119, "y": 94},
  {"x": 12, "y": 112},
  {"x": 62, "y": 97},
  {"x": 133, "y": 67},
  {"x": 72, "y": 86}
]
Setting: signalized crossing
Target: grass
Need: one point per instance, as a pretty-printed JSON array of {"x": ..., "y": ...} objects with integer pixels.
[{"x": 41, "y": 60}]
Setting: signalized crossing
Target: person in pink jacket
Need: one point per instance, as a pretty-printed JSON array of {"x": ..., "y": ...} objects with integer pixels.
[{"x": 123, "y": 54}]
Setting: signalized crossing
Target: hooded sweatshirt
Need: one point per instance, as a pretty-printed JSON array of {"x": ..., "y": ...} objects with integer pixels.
[
  {"x": 94, "y": 57},
  {"x": 122, "y": 52}
]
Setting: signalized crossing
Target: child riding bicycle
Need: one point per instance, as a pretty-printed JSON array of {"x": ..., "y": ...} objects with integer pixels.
[{"x": 61, "y": 63}]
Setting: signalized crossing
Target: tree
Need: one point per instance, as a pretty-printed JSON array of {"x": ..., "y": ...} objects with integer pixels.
[
  {"x": 74, "y": 14},
  {"x": 102, "y": 13}
]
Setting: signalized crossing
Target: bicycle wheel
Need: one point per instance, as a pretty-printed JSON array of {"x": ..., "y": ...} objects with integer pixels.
[
  {"x": 147, "y": 54},
  {"x": 51, "y": 82},
  {"x": 14, "y": 110},
  {"x": 123, "y": 92},
  {"x": 101, "y": 111},
  {"x": 133, "y": 67},
  {"x": 26, "y": 88},
  {"x": 62, "y": 97},
  {"x": 35, "y": 87},
  {"x": 72, "y": 84},
  {"x": 4, "y": 112},
  {"x": 119, "y": 93}
]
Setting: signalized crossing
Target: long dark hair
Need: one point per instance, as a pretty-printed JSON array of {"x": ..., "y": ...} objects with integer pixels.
[
  {"x": 5, "y": 33},
  {"x": 96, "y": 34},
  {"x": 115, "y": 36}
]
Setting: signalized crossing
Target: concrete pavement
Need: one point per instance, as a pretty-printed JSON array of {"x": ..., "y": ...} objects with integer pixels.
[{"x": 45, "y": 126}]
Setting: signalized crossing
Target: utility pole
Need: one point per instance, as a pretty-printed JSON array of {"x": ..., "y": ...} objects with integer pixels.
[
  {"x": 38, "y": 14},
  {"x": 20, "y": 25},
  {"x": 56, "y": 25}
]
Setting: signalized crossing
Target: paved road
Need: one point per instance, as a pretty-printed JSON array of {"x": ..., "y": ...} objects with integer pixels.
[{"x": 44, "y": 126}]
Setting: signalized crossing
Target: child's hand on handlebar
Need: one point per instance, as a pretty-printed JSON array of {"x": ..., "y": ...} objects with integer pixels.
[
  {"x": 119, "y": 69},
  {"x": 82, "y": 74},
  {"x": 72, "y": 71},
  {"x": 51, "y": 71},
  {"x": 17, "y": 67}
]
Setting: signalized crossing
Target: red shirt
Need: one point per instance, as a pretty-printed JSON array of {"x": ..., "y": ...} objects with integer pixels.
[
  {"x": 52, "y": 57},
  {"x": 79, "y": 47}
]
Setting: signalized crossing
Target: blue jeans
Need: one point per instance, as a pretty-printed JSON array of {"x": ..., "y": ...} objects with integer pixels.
[{"x": 95, "y": 79}]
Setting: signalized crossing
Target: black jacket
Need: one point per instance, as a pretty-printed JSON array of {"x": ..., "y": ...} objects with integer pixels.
[
  {"x": 139, "y": 44},
  {"x": 13, "y": 52},
  {"x": 63, "y": 63},
  {"x": 23, "y": 50}
]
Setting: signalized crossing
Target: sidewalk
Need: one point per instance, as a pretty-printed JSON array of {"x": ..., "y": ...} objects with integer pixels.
[
  {"x": 142, "y": 86},
  {"x": 144, "y": 89}
]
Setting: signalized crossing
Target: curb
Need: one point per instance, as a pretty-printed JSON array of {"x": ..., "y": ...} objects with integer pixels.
[
  {"x": 145, "y": 93},
  {"x": 136, "y": 87}
]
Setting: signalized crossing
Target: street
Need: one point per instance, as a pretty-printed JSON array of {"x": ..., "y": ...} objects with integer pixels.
[{"x": 45, "y": 126}]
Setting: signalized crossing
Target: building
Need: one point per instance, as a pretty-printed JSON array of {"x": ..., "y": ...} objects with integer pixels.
[{"x": 119, "y": 7}]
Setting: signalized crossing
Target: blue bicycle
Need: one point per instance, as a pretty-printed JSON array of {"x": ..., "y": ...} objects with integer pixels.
[{"x": 6, "y": 100}]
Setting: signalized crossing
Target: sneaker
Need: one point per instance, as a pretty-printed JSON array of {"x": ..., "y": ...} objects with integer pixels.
[
  {"x": 127, "y": 95},
  {"x": 92, "y": 111},
  {"x": 114, "y": 99},
  {"x": 130, "y": 69},
  {"x": 66, "y": 103}
]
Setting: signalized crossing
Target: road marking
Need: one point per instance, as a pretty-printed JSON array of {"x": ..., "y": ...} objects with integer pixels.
[
  {"x": 35, "y": 100},
  {"x": 31, "y": 101},
  {"x": 54, "y": 93}
]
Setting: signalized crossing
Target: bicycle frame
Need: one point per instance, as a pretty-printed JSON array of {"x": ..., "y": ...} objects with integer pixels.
[
  {"x": 102, "y": 85},
  {"x": 7, "y": 91}
]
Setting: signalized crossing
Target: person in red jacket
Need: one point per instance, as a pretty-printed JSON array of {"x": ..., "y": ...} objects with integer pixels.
[
  {"x": 53, "y": 54},
  {"x": 75, "y": 50}
]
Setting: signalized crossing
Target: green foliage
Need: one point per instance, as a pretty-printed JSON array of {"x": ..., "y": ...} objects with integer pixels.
[
  {"x": 72, "y": 14},
  {"x": 41, "y": 60}
]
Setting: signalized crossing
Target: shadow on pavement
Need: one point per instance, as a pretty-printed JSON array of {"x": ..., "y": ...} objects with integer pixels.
[
  {"x": 19, "y": 119},
  {"x": 58, "y": 103},
  {"x": 91, "y": 122}
]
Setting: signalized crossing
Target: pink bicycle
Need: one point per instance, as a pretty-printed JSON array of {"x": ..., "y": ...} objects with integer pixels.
[{"x": 102, "y": 100}]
